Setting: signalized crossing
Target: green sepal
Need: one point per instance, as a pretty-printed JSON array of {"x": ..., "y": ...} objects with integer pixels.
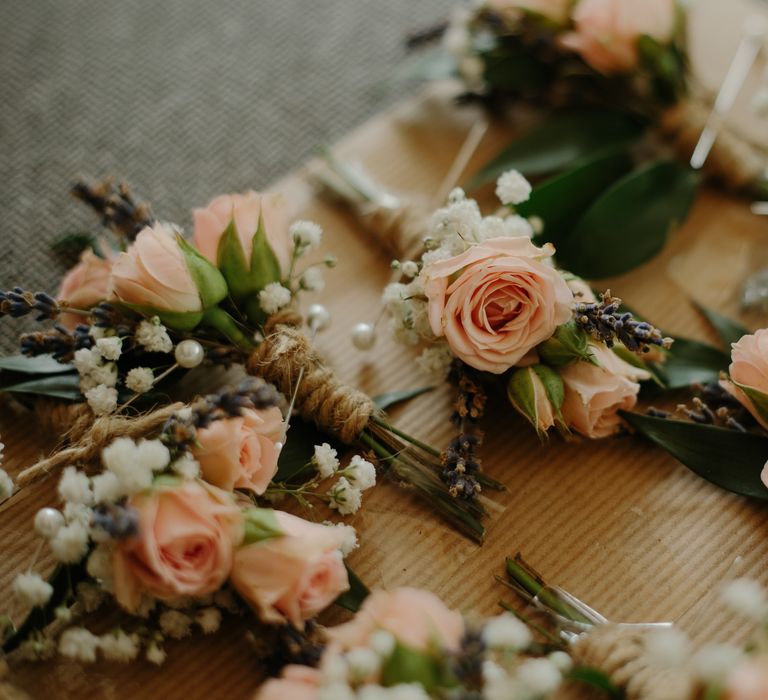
[
  {"x": 176, "y": 320},
  {"x": 260, "y": 525},
  {"x": 211, "y": 285},
  {"x": 408, "y": 665},
  {"x": 632, "y": 358},
  {"x": 758, "y": 398},
  {"x": 555, "y": 391},
  {"x": 265, "y": 267},
  {"x": 521, "y": 391},
  {"x": 568, "y": 344},
  {"x": 232, "y": 263}
]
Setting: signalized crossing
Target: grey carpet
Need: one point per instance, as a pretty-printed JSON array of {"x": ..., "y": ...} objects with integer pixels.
[{"x": 183, "y": 98}]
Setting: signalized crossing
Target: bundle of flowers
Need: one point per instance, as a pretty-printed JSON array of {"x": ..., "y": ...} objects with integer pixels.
[
  {"x": 144, "y": 307},
  {"x": 171, "y": 529}
]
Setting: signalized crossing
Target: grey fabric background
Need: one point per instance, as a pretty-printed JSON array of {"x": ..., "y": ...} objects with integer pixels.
[{"x": 183, "y": 98}]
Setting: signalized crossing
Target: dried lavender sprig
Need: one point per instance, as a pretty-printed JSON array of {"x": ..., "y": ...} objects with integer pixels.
[
  {"x": 19, "y": 302},
  {"x": 604, "y": 322},
  {"x": 118, "y": 210},
  {"x": 58, "y": 341}
]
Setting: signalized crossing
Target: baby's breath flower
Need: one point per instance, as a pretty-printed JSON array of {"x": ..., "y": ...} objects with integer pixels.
[
  {"x": 561, "y": 660},
  {"x": 306, "y": 234},
  {"x": 409, "y": 268},
  {"x": 456, "y": 195},
  {"x": 325, "y": 460},
  {"x": 78, "y": 513},
  {"x": 361, "y": 473},
  {"x": 102, "y": 399},
  {"x": 31, "y": 589},
  {"x": 713, "y": 662},
  {"x": 363, "y": 663},
  {"x": 745, "y": 597},
  {"x": 345, "y": 497},
  {"x": 105, "y": 374},
  {"x": 516, "y": 226},
  {"x": 350, "y": 537},
  {"x": 209, "y": 620},
  {"x": 513, "y": 188},
  {"x": 79, "y": 643},
  {"x": 506, "y": 632},
  {"x": 106, "y": 487},
  {"x": 139, "y": 380},
  {"x": 119, "y": 646},
  {"x": 186, "y": 466},
  {"x": 667, "y": 647},
  {"x": 312, "y": 280},
  {"x": 274, "y": 297},
  {"x": 153, "y": 454},
  {"x": 99, "y": 564},
  {"x": 75, "y": 487},
  {"x": 110, "y": 348},
  {"x": 539, "y": 676},
  {"x": 175, "y": 624},
  {"x": 156, "y": 654},
  {"x": 435, "y": 361},
  {"x": 153, "y": 336},
  {"x": 86, "y": 360},
  {"x": 382, "y": 642},
  {"x": 70, "y": 543}
]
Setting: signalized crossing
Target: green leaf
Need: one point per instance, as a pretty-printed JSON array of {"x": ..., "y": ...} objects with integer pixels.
[
  {"x": 595, "y": 678},
  {"x": 260, "y": 524},
  {"x": 630, "y": 222},
  {"x": 408, "y": 665},
  {"x": 728, "y": 458},
  {"x": 635, "y": 360},
  {"x": 70, "y": 245},
  {"x": 513, "y": 69},
  {"x": 690, "y": 362},
  {"x": 210, "y": 283},
  {"x": 232, "y": 263},
  {"x": 566, "y": 345},
  {"x": 63, "y": 386},
  {"x": 559, "y": 141},
  {"x": 299, "y": 448},
  {"x": 728, "y": 330},
  {"x": 393, "y": 398},
  {"x": 561, "y": 200},
  {"x": 758, "y": 398},
  {"x": 39, "y": 364},
  {"x": 353, "y": 599},
  {"x": 265, "y": 267}
]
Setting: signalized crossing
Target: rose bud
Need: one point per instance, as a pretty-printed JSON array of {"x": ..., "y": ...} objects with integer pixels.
[
  {"x": 537, "y": 393},
  {"x": 288, "y": 568},
  {"x": 85, "y": 285},
  {"x": 749, "y": 374},
  {"x": 162, "y": 275},
  {"x": 568, "y": 343}
]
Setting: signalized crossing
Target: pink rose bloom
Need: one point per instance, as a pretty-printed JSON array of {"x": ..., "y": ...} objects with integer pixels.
[
  {"x": 241, "y": 452},
  {"x": 607, "y": 31},
  {"x": 295, "y": 576},
  {"x": 153, "y": 273},
  {"x": 556, "y": 10},
  {"x": 211, "y": 222},
  {"x": 295, "y": 683},
  {"x": 748, "y": 681},
  {"x": 184, "y": 546},
  {"x": 595, "y": 395},
  {"x": 749, "y": 367},
  {"x": 496, "y": 301},
  {"x": 415, "y": 617},
  {"x": 85, "y": 285}
]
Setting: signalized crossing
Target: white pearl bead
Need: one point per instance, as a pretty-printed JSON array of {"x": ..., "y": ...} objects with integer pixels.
[
  {"x": 189, "y": 353},
  {"x": 318, "y": 317},
  {"x": 47, "y": 522},
  {"x": 363, "y": 336}
]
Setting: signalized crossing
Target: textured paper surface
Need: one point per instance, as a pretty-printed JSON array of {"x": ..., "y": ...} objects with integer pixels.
[{"x": 617, "y": 522}]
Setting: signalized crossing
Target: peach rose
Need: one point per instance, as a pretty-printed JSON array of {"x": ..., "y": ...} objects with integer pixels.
[
  {"x": 295, "y": 683},
  {"x": 415, "y": 617},
  {"x": 748, "y": 681},
  {"x": 595, "y": 395},
  {"x": 556, "y": 10},
  {"x": 295, "y": 576},
  {"x": 749, "y": 368},
  {"x": 247, "y": 209},
  {"x": 85, "y": 285},
  {"x": 607, "y": 31},
  {"x": 496, "y": 301},
  {"x": 241, "y": 452},
  {"x": 184, "y": 546}
]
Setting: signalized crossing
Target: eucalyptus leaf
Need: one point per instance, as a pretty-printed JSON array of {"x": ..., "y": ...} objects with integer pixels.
[
  {"x": 561, "y": 200},
  {"x": 559, "y": 141},
  {"x": 690, "y": 362},
  {"x": 729, "y": 331},
  {"x": 39, "y": 364},
  {"x": 393, "y": 398},
  {"x": 353, "y": 598},
  {"x": 630, "y": 222},
  {"x": 728, "y": 458},
  {"x": 62, "y": 386}
]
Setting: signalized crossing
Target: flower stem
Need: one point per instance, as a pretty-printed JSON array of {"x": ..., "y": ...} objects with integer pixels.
[
  {"x": 391, "y": 428},
  {"x": 221, "y": 321}
]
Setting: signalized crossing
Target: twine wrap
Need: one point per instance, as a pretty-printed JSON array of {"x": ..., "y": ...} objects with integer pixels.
[
  {"x": 89, "y": 445},
  {"x": 334, "y": 407},
  {"x": 620, "y": 651},
  {"x": 400, "y": 229}
]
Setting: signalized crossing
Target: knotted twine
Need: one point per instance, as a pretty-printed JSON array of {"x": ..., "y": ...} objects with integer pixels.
[
  {"x": 286, "y": 354},
  {"x": 621, "y": 652}
]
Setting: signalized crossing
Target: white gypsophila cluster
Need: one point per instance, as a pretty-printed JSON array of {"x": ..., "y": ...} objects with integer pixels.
[
  {"x": 102, "y": 399},
  {"x": 435, "y": 361},
  {"x": 306, "y": 234},
  {"x": 409, "y": 269},
  {"x": 274, "y": 297},
  {"x": 99, "y": 564},
  {"x": 175, "y": 624},
  {"x": 119, "y": 646},
  {"x": 745, "y": 597},
  {"x": 667, "y": 648},
  {"x": 530, "y": 680},
  {"x": 140, "y": 380},
  {"x": 110, "y": 348},
  {"x": 153, "y": 336},
  {"x": 325, "y": 460},
  {"x": 107, "y": 487},
  {"x": 349, "y": 544},
  {"x": 344, "y": 497},
  {"x": 134, "y": 463},
  {"x": 512, "y": 188},
  {"x": 361, "y": 473},
  {"x": 32, "y": 589},
  {"x": 79, "y": 644},
  {"x": 75, "y": 487},
  {"x": 156, "y": 654},
  {"x": 186, "y": 466},
  {"x": 713, "y": 662},
  {"x": 70, "y": 543},
  {"x": 90, "y": 596},
  {"x": 506, "y": 632},
  {"x": 407, "y": 307},
  {"x": 312, "y": 280},
  {"x": 208, "y": 620}
]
